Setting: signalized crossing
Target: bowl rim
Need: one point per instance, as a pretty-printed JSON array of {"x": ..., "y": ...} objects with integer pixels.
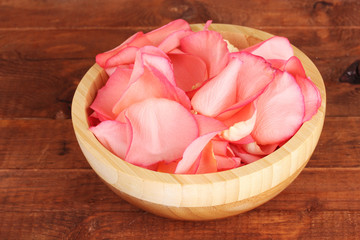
[{"x": 115, "y": 169}]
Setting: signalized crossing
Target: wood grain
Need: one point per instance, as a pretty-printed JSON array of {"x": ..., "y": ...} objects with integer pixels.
[
  {"x": 51, "y": 144},
  {"x": 58, "y": 52},
  {"x": 82, "y": 14},
  {"x": 47, "y": 46}
]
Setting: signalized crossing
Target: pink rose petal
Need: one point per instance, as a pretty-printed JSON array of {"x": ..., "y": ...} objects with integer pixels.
[
  {"x": 189, "y": 71},
  {"x": 139, "y": 39},
  {"x": 113, "y": 135},
  {"x": 210, "y": 47},
  {"x": 273, "y": 48},
  {"x": 108, "y": 95},
  {"x": 152, "y": 77},
  {"x": 158, "y": 135},
  {"x": 280, "y": 110},
  {"x": 158, "y": 35},
  {"x": 193, "y": 152},
  {"x": 172, "y": 41},
  {"x": 241, "y": 124},
  {"x": 207, "y": 162},
  {"x": 219, "y": 93}
]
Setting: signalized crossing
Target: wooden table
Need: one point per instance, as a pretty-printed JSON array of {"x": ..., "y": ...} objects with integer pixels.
[{"x": 48, "y": 190}]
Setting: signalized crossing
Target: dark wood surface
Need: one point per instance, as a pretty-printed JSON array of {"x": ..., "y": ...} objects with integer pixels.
[{"x": 48, "y": 190}]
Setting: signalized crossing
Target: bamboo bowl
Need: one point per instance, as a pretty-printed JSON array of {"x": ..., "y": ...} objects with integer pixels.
[{"x": 203, "y": 196}]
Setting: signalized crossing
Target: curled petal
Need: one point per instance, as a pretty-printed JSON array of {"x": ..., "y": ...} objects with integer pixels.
[
  {"x": 254, "y": 148},
  {"x": 219, "y": 93},
  {"x": 108, "y": 95},
  {"x": 207, "y": 162},
  {"x": 210, "y": 47},
  {"x": 273, "y": 48},
  {"x": 114, "y": 135},
  {"x": 225, "y": 163},
  {"x": 124, "y": 56},
  {"x": 189, "y": 71},
  {"x": 158, "y": 135},
  {"x": 158, "y": 35},
  {"x": 208, "y": 124},
  {"x": 240, "y": 124},
  {"x": 139, "y": 39},
  {"x": 280, "y": 110},
  {"x": 294, "y": 67},
  {"x": 152, "y": 77},
  {"x": 193, "y": 152},
  {"x": 312, "y": 97},
  {"x": 172, "y": 41}
]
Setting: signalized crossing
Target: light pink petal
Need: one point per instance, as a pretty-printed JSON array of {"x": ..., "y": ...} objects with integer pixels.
[
  {"x": 208, "y": 124},
  {"x": 192, "y": 152},
  {"x": 273, "y": 48},
  {"x": 219, "y": 93},
  {"x": 245, "y": 140},
  {"x": 158, "y": 35},
  {"x": 139, "y": 39},
  {"x": 189, "y": 71},
  {"x": 152, "y": 77},
  {"x": 280, "y": 110},
  {"x": 241, "y": 124},
  {"x": 172, "y": 41},
  {"x": 124, "y": 56},
  {"x": 312, "y": 97},
  {"x": 207, "y": 162},
  {"x": 254, "y": 76},
  {"x": 210, "y": 47},
  {"x": 162, "y": 129},
  {"x": 108, "y": 95},
  {"x": 113, "y": 135}
]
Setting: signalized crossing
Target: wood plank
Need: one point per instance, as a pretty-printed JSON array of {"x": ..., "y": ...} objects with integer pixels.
[
  {"x": 82, "y": 14},
  {"x": 39, "y": 144},
  {"x": 314, "y": 190},
  {"x": 256, "y": 224},
  {"x": 319, "y": 43},
  {"x": 29, "y": 75},
  {"x": 51, "y": 144},
  {"x": 39, "y": 88}
]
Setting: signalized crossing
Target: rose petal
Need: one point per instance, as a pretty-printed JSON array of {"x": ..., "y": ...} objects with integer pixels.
[
  {"x": 208, "y": 124},
  {"x": 172, "y": 41},
  {"x": 158, "y": 35},
  {"x": 113, "y": 135},
  {"x": 167, "y": 167},
  {"x": 255, "y": 149},
  {"x": 207, "y": 162},
  {"x": 158, "y": 135},
  {"x": 240, "y": 124},
  {"x": 219, "y": 93},
  {"x": 280, "y": 110},
  {"x": 244, "y": 156},
  {"x": 108, "y": 95},
  {"x": 273, "y": 48},
  {"x": 124, "y": 56},
  {"x": 192, "y": 152},
  {"x": 210, "y": 47},
  {"x": 294, "y": 67},
  {"x": 139, "y": 39},
  {"x": 152, "y": 77},
  {"x": 312, "y": 97},
  {"x": 189, "y": 71},
  {"x": 226, "y": 163}
]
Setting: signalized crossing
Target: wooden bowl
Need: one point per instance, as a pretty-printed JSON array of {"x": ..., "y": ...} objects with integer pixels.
[{"x": 203, "y": 196}]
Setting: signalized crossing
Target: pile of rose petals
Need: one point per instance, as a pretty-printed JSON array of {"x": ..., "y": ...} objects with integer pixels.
[{"x": 178, "y": 101}]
